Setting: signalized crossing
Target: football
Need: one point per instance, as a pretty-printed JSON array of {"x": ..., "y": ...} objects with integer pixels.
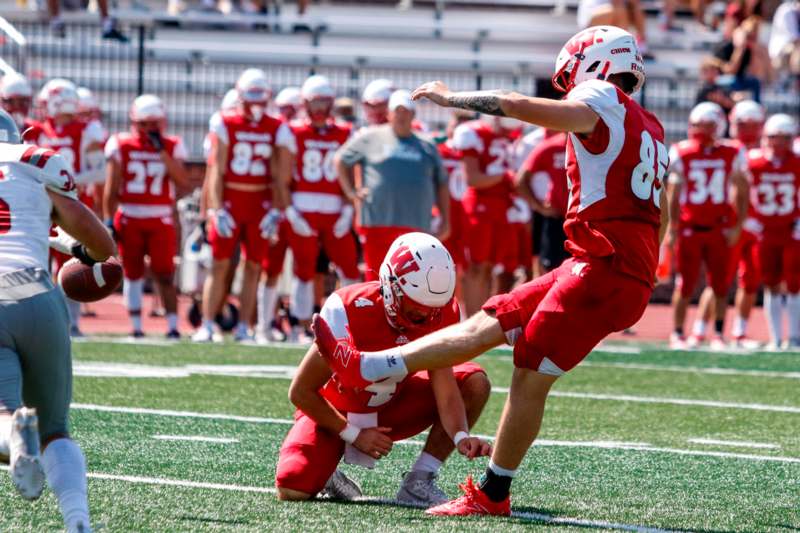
[{"x": 85, "y": 283}]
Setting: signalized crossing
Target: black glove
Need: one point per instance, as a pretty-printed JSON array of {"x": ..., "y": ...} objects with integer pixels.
[
  {"x": 155, "y": 140},
  {"x": 79, "y": 251}
]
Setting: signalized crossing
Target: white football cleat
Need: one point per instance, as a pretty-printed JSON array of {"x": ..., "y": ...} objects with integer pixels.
[
  {"x": 746, "y": 343},
  {"x": 27, "y": 473},
  {"x": 270, "y": 336},
  {"x": 204, "y": 334},
  {"x": 420, "y": 490},
  {"x": 694, "y": 341},
  {"x": 717, "y": 344},
  {"x": 677, "y": 342},
  {"x": 341, "y": 487}
]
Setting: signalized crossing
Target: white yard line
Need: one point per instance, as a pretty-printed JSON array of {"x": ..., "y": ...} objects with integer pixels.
[
  {"x": 668, "y": 401},
  {"x": 196, "y": 438},
  {"x": 183, "y": 414},
  {"x": 735, "y": 443},
  {"x": 695, "y": 370}
]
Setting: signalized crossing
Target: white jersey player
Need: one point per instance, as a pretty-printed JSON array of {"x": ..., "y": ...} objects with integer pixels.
[{"x": 37, "y": 188}]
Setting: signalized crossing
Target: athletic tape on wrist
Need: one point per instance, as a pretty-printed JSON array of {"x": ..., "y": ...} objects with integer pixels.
[
  {"x": 350, "y": 433},
  {"x": 461, "y": 435}
]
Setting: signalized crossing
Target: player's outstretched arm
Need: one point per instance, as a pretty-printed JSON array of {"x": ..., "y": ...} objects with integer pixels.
[
  {"x": 82, "y": 224},
  {"x": 453, "y": 415},
  {"x": 563, "y": 115}
]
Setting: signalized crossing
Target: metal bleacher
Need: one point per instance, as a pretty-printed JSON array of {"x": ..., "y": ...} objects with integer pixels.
[{"x": 191, "y": 59}]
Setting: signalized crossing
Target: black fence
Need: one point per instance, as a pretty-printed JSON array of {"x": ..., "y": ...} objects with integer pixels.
[{"x": 192, "y": 81}]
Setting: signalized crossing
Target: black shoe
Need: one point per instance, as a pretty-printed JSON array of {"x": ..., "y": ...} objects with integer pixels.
[
  {"x": 173, "y": 334},
  {"x": 115, "y": 35},
  {"x": 137, "y": 334}
]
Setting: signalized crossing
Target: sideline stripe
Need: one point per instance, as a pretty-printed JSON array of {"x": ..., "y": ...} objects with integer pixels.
[
  {"x": 633, "y": 446},
  {"x": 196, "y": 438},
  {"x": 669, "y": 401},
  {"x": 735, "y": 443},
  {"x": 536, "y": 517}
]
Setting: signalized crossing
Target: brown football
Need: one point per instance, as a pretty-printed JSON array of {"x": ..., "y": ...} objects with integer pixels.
[{"x": 85, "y": 283}]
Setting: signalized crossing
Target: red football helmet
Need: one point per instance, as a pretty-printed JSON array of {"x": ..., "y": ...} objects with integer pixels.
[{"x": 418, "y": 278}]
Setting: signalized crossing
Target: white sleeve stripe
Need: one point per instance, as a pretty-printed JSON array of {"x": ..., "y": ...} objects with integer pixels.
[{"x": 335, "y": 315}]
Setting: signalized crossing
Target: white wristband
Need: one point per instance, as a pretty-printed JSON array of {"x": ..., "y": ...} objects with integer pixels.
[
  {"x": 461, "y": 435},
  {"x": 350, "y": 433}
]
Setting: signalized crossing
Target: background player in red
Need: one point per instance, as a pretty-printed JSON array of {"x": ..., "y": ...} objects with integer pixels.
[
  {"x": 289, "y": 104},
  {"x": 77, "y": 142},
  {"x": 746, "y": 125},
  {"x": 484, "y": 146},
  {"x": 16, "y": 96},
  {"x": 414, "y": 296},
  {"x": 247, "y": 189},
  {"x": 775, "y": 199},
  {"x": 144, "y": 167},
  {"x": 616, "y": 163},
  {"x": 706, "y": 219},
  {"x": 545, "y": 166},
  {"x": 319, "y": 216}
]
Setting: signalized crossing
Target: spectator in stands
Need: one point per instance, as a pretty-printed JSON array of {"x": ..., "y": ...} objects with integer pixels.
[
  {"x": 745, "y": 59},
  {"x": 110, "y": 30},
  {"x": 620, "y": 13},
  {"x": 402, "y": 179},
  {"x": 736, "y": 12},
  {"x": 710, "y": 90},
  {"x": 784, "y": 40}
]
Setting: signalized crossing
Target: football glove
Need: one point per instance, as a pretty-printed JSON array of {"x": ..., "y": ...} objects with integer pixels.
[
  {"x": 299, "y": 224},
  {"x": 62, "y": 241},
  {"x": 345, "y": 221},
  {"x": 269, "y": 224},
  {"x": 223, "y": 221}
]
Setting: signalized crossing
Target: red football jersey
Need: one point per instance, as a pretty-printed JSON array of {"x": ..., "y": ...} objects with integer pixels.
[
  {"x": 144, "y": 175},
  {"x": 451, "y": 161},
  {"x": 358, "y": 310},
  {"x": 250, "y": 145},
  {"x": 315, "y": 187},
  {"x": 547, "y": 163},
  {"x": 774, "y": 192},
  {"x": 706, "y": 174},
  {"x": 69, "y": 140},
  {"x": 615, "y": 177},
  {"x": 493, "y": 151}
]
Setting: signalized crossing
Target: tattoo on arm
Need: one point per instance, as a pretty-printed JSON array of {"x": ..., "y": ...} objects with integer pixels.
[{"x": 486, "y": 102}]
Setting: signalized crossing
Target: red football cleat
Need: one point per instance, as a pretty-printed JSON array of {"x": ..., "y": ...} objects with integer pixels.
[
  {"x": 340, "y": 354},
  {"x": 473, "y": 502}
]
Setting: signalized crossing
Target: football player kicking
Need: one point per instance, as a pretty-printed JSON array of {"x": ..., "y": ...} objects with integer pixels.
[
  {"x": 616, "y": 163},
  {"x": 413, "y": 297},
  {"x": 37, "y": 188}
]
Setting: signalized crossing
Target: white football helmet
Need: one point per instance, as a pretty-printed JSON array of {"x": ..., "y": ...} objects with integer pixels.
[
  {"x": 747, "y": 111},
  {"x": 418, "y": 278},
  {"x": 230, "y": 100},
  {"x": 317, "y": 86},
  {"x": 595, "y": 54},
  {"x": 289, "y": 96},
  {"x": 705, "y": 113},
  {"x": 378, "y": 91},
  {"x": 148, "y": 107},
  {"x": 253, "y": 86},
  {"x": 60, "y": 97},
  {"x": 780, "y": 124},
  {"x": 15, "y": 85}
]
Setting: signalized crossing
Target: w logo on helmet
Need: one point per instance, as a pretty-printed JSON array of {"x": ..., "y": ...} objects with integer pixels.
[
  {"x": 584, "y": 40},
  {"x": 402, "y": 261}
]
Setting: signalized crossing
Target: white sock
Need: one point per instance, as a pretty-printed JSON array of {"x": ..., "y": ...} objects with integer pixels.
[
  {"x": 500, "y": 471},
  {"x": 132, "y": 291},
  {"x": 739, "y": 328},
  {"x": 172, "y": 321},
  {"x": 426, "y": 463},
  {"x": 208, "y": 325},
  {"x": 793, "y": 310},
  {"x": 379, "y": 365},
  {"x": 267, "y": 300},
  {"x": 773, "y": 307},
  {"x": 302, "y": 301},
  {"x": 65, "y": 468},
  {"x": 699, "y": 328},
  {"x": 5, "y": 435},
  {"x": 136, "y": 320}
]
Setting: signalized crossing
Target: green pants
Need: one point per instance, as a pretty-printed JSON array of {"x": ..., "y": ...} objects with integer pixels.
[{"x": 35, "y": 349}]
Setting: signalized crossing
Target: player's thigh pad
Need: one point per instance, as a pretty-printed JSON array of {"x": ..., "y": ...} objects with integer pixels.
[
  {"x": 308, "y": 457},
  {"x": 588, "y": 301}
]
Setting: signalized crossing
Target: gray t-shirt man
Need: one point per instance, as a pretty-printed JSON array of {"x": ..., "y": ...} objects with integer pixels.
[{"x": 402, "y": 175}]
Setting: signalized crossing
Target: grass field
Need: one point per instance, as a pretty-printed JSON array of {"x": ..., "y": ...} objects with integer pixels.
[{"x": 632, "y": 439}]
